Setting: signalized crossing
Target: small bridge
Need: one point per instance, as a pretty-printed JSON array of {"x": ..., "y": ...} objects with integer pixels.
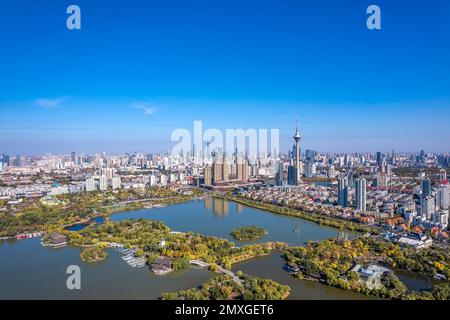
[
  {"x": 199, "y": 263},
  {"x": 203, "y": 264}
]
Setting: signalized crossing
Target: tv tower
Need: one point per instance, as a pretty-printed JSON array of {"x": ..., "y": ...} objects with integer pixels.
[{"x": 297, "y": 139}]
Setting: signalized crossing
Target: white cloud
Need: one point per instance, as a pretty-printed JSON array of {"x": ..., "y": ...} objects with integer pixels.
[
  {"x": 49, "y": 103},
  {"x": 146, "y": 107}
]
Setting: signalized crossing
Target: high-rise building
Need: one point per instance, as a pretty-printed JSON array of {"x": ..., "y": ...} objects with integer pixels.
[
  {"x": 225, "y": 169},
  {"x": 310, "y": 169},
  {"x": 18, "y": 162},
  {"x": 280, "y": 174},
  {"x": 361, "y": 195},
  {"x": 331, "y": 172},
  {"x": 298, "y": 170},
  {"x": 310, "y": 155},
  {"x": 426, "y": 187},
  {"x": 208, "y": 176},
  {"x": 245, "y": 175},
  {"x": 379, "y": 159},
  {"x": 116, "y": 183},
  {"x": 343, "y": 191},
  {"x": 292, "y": 176},
  {"x": 103, "y": 183},
  {"x": 442, "y": 197},
  {"x": 427, "y": 207},
  {"x": 152, "y": 180},
  {"x": 90, "y": 184},
  {"x": 241, "y": 169},
  {"x": 382, "y": 180},
  {"x": 221, "y": 169},
  {"x": 441, "y": 218},
  {"x": 422, "y": 157},
  {"x": 108, "y": 172},
  {"x": 442, "y": 176},
  {"x": 218, "y": 168},
  {"x": 393, "y": 161},
  {"x": 73, "y": 157},
  {"x": 6, "y": 159}
]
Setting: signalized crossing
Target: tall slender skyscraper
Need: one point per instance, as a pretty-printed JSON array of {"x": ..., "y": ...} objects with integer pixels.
[
  {"x": 218, "y": 168},
  {"x": 280, "y": 174},
  {"x": 208, "y": 176},
  {"x": 361, "y": 195},
  {"x": 379, "y": 159},
  {"x": 297, "y": 138},
  {"x": 426, "y": 187},
  {"x": 343, "y": 191}
]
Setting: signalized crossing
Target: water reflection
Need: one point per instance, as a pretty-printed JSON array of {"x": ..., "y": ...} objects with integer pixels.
[
  {"x": 343, "y": 235},
  {"x": 297, "y": 228},
  {"x": 221, "y": 207},
  {"x": 208, "y": 203}
]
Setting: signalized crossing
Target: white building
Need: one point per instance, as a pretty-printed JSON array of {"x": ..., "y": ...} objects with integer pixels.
[
  {"x": 310, "y": 169},
  {"x": 59, "y": 190},
  {"x": 331, "y": 172},
  {"x": 152, "y": 180},
  {"x": 361, "y": 195},
  {"x": 103, "y": 183},
  {"x": 427, "y": 207},
  {"x": 442, "y": 197},
  {"x": 116, "y": 182},
  {"x": 108, "y": 172},
  {"x": 90, "y": 185},
  {"x": 442, "y": 175},
  {"x": 441, "y": 217}
]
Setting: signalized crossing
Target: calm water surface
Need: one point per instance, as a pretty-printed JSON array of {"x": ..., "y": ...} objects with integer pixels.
[
  {"x": 30, "y": 271},
  {"x": 217, "y": 217},
  {"x": 273, "y": 267}
]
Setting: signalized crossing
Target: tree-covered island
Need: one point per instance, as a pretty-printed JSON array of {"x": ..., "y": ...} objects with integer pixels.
[{"x": 249, "y": 233}]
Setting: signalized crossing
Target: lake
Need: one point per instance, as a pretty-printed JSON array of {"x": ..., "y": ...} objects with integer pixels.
[
  {"x": 218, "y": 217},
  {"x": 31, "y": 271}
]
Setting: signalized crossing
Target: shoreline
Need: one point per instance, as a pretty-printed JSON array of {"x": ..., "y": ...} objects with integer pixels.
[{"x": 311, "y": 217}]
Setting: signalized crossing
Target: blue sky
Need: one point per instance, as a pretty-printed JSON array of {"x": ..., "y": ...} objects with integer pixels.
[{"x": 137, "y": 70}]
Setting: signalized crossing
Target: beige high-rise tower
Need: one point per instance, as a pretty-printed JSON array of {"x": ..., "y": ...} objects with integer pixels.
[
  {"x": 225, "y": 169},
  {"x": 242, "y": 169},
  {"x": 218, "y": 168}
]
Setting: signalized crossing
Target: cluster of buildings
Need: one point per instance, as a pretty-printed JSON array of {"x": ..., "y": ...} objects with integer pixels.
[
  {"x": 354, "y": 186},
  {"x": 225, "y": 172}
]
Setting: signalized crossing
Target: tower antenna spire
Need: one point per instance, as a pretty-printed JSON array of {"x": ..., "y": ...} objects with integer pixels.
[{"x": 297, "y": 138}]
